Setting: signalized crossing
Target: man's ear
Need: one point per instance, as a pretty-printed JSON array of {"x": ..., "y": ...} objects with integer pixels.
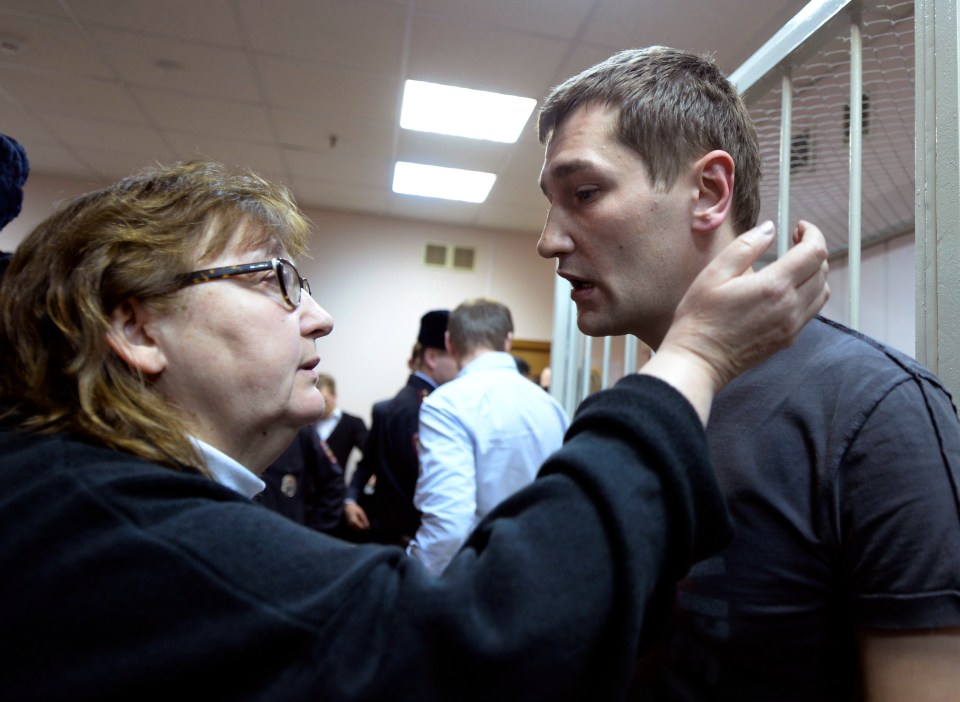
[
  {"x": 714, "y": 173},
  {"x": 130, "y": 337},
  {"x": 430, "y": 357},
  {"x": 509, "y": 343},
  {"x": 448, "y": 343}
]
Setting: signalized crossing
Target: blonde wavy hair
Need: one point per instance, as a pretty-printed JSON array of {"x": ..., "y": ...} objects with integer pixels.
[{"x": 132, "y": 240}]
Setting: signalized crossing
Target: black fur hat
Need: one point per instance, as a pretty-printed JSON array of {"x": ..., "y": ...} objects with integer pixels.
[
  {"x": 14, "y": 169},
  {"x": 432, "y": 327}
]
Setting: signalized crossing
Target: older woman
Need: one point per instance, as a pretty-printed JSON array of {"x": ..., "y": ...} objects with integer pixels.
[{"x": 158, "y": 351}]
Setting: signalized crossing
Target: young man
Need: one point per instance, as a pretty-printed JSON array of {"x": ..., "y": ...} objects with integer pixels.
[
  {"x": 840, "y": 458},
  {"x": 483, "y": 435},
  {"x": 391, "y": 451}
]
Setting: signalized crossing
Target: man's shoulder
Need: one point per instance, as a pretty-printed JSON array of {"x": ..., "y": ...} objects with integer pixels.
[
  {"x": 496, "y": 383},
  {"x": 406, "y": 401},
  {"x": 447, "y": 392},
  {"x": 829, "y": 366},
  {"x": 470, "y": 382},
  {"x": 826, "y": 348},
  {"x": 413, "y": 388}
]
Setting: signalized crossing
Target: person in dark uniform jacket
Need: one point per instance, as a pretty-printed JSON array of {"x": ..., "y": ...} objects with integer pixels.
[
  {"x": 391, "y": 452},
  {"x": 307, "y": 483},
  {"x": 343, "y": 432}
]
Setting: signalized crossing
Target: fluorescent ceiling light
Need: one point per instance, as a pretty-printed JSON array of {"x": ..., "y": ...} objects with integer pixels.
[
  {"x": 445, "y": 109},
  {"x": 447, "y": 183}
]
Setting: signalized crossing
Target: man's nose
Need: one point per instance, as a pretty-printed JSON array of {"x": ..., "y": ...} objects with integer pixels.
[{"x": 554, "y": 239}]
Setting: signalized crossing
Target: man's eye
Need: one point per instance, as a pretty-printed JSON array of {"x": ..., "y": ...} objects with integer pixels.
[{"x": 585, "y": 194}]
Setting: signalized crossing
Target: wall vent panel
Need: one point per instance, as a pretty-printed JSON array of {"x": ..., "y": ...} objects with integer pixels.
[{"x": 458, "y": 258}]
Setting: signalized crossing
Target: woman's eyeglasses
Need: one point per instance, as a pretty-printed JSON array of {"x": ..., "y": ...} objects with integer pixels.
[{"x": 291, "y": 284}]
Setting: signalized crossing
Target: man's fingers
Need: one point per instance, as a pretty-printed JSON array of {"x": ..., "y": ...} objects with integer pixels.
[
  {"x": 815, "y": 291},
  {"x": 739, "y": 256},
  {"x": 806, "y": 260}
]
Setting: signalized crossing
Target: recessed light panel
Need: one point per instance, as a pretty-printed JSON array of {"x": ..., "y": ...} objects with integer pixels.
[
  {"x": 476, "y": 114},
  {"x": 446, "y": 183}
]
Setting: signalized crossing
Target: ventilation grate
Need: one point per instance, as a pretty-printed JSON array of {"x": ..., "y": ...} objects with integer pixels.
[
  {"x": 459, "y": 258},
  {"x": 435, "y": 255}
]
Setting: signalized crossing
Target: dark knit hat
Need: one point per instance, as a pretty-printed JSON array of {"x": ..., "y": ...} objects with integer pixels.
[
  {"x": 14, "y": 168},
  {"x": 432, "y": 327}
]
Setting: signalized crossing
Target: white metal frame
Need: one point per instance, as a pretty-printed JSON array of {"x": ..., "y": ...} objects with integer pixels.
[{"x": 938, "y": 190}]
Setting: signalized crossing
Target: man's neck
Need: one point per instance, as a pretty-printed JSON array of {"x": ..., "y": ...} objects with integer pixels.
[{"x": 472, "y": 355}]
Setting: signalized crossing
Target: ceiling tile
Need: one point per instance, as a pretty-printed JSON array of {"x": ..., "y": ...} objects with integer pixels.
[
  {"x": 261, "y": 158},
  {"x": 629, "y": 24},
  {"x": 339, "y": 195},
  {"x": 197, "y": 115},
  {"x": 83, "y": 97},
  {"x": 341, "y": 167},
  {"x": 110, "y": 164},
  {"x": 482, "y": 58},
  {"x": 353, "y": 33},
  {"x": 51, "y": 44},
  {"x": 180, "y": 66},
  {"x": 209, "y": 22},
  {"x": 52, "y": 8},
  {"x": 554, "y": 18},
  {"x": 313, "y": 130},
  {"x": 297, "y": 85},
  {"x": 116, "y": 135}
]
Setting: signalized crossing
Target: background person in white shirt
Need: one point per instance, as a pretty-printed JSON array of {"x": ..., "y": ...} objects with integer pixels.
[{"x": 483, "y": 435}]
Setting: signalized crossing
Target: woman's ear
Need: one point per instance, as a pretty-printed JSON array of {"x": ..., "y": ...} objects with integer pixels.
[
  {"x": 715, "y": 176},
  {"x": 129, "y": 335}
]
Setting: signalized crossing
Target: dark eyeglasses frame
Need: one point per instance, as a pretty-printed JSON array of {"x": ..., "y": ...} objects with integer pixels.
[{"x": 277, "y": 265}]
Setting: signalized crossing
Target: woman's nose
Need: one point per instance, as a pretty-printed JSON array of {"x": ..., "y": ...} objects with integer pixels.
[{"x": 314, "y": 320}]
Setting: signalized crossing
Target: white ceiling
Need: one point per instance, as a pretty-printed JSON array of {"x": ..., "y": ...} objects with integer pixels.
[{"x": 308, "y": 91}]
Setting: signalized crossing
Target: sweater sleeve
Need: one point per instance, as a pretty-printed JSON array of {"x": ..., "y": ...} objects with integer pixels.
[
  {"x": 553, "y": 592},
  {"x": 173, "y": 579}
]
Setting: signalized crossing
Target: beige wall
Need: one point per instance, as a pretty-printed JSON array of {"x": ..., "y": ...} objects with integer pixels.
[{"x": 367, "y": 272}]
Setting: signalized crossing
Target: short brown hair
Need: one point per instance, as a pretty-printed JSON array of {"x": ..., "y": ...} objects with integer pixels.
[
  {"x": 674, "y": 107},
  {"x": 479, "y": 323},
  {"x": 325, "y": 380},
  {"x": 132, "y": 240}
]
